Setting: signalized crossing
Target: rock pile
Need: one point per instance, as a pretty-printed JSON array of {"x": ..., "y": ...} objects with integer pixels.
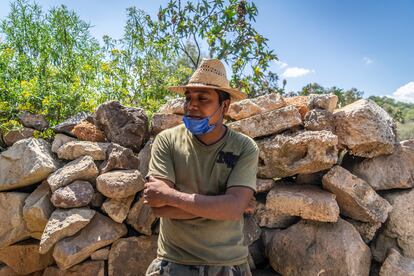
[{"x": 334, "y": 191}]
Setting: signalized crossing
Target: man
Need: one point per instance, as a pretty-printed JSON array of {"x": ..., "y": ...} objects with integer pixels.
[{"x": 202, "y": 176}]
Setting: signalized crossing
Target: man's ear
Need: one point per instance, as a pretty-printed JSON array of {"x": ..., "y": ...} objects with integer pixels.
[{"x": 226, "y": 104}]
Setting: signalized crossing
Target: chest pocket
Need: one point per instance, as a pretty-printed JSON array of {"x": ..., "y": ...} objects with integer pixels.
[{"x": 224, "y": 164}]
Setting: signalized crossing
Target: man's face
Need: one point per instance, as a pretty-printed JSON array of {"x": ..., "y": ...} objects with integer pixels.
[{"x": 200, "y": 103}]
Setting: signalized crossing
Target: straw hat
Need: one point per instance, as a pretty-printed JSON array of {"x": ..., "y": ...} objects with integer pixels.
[{"x": 210, "y": 74}]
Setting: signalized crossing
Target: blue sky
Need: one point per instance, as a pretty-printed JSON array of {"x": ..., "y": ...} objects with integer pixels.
[{"x": 365, "y": 44}]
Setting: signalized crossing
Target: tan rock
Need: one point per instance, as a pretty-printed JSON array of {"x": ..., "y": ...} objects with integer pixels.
[
  {"x": 132, "y": 256},
  {"x": 269, "y": 218},
  {"x": 95, "y": 268},
  {"x": 300, "y": 102},
  {"x": 250, "y": 107},
  {"x": 24, "y": 257},
  {"x": 367, "y": 230},
  {"x": 101, "y": 254},
  {"x": 381, "y": 245},
  {"x": 75, "y": 149},
  {"x": 315, "y": 248},
  {"x": 61, "y": 139},
  {"x": 397, "y": 265},
  {"x": 117, "y": 209},
  {"x": 141, "y": 217},
  {"x": 77, "y": 194},
  {"x": 301, "y": 152},
  {"x": 162, "y": 121},
  {"x": 388, "y": 171},
  {"x": 306, "y": 201},
  {"x": 37, "y": 209},
  {"x": 317, "y": 119},
  {"x": 12, "y": 225},
  {"x": 268, "y": 123},
  {"x": 322, "y": 101},
  {"x": 100, "y": 232},
  {"x": 82, "y": 168},
  {"x": 64, "y": 223},
  {"x": 118, "y": 157},
  {"x": 36, "y": 121},
  {"x": 365, "y": 129},
  {"x": 87, "y": 131},
  {"x": 120, "y": 183},
  {"x": 355, "y": 197},
  {"x": 27, "y": 162},
  {"x": 173, "y": 106},
  {"x": 15, "y": 135},
  {"x": 264, "y": 185}
]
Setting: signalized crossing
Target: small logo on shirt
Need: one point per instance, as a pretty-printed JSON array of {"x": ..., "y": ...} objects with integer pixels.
[{"x": 227, "y": 158}]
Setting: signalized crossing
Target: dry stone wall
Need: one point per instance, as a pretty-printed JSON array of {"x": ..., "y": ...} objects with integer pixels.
[{"x": 334, "y": 190}]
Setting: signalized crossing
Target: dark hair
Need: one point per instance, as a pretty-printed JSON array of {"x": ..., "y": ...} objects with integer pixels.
[{"x": 222, "y": 96}]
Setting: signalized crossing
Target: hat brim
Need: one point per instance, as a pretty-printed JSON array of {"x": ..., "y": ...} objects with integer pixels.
[{"x": 235, "y": 94}]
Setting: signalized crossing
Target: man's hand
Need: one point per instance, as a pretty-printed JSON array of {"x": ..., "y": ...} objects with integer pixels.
[{"x": 157, "y": 193}]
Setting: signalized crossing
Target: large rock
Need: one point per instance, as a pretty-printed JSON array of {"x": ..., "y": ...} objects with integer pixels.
[
  {"x": 126, "y": 126},
  {"x": 173, "y": 106},
  {"x": 118, "y": 157},
  {"x": 75, "y": 149},
  {"x": 27, "y": 162},
  {"x": 24, "y": 257},
  {"x": 36, "y": 121},
  {"x": 388, "y": 171},
  {"x": 322, "y": 101},
  {"x": 365, "y": 129},
  {"x": 250, "y": 107},
  {"x": 300, "y": 102},
  {"x": 77, "y": 194},
  {"x": 15, "y": 135},
  {"x": 269, "y": 218},
  {"x": 87, "y": 131},
  {"x": 162, "y": 121},
  {"x": 120, "y": 184},
  {"x": 141, "y": 217},
  {"x": 317, "y": 119},
  {"x": 397, "y": 265},
  {"x": 132, "y": 256},
  {"x": 301, "y": 152},
  {"x": 306, "y": 201},
  {"x": 268, "y": 123},
  {"x": 315, "y": 248},
  {"x": 117, "y": 209},
  {"x": 95, "y": 268},
  {"x": 37, "y": 209},
  {"x": 355, "y": 197},
  {"x": 12, "y": 225},
  {"x": 100, "y": 232},
  {"x": 64, "y": 223},
  {"x": 82, "y": 168},
  {"x": 67, "y": 126},
  {"x": 61, "y": 139}
]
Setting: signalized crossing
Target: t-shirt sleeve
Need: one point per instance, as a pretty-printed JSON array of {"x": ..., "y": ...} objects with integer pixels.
[
  {"x": 161, "y": 164},
  {"x": 245, "y": 171}
]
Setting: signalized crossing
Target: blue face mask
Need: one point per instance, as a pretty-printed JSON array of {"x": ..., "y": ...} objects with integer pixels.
[{"x": 199, "y": 126}]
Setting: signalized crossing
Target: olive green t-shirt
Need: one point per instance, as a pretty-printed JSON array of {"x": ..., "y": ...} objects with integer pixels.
[{"x": 177, "y": 155}]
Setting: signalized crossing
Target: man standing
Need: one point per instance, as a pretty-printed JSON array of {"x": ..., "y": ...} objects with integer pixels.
[{"x": 201, "y": 178}]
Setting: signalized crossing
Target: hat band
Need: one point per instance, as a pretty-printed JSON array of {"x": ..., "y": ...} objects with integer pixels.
[{"x": 203, "y": 83}]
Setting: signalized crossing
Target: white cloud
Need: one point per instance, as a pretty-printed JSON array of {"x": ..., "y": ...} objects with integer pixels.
[
  {"x": 295, "y": 72},
  {"x": 367, "y": 60},
  {"x": 405, "y": 93},
  {"x": 281, "y": 64}
]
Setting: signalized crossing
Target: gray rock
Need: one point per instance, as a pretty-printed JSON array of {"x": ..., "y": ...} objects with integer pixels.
[
  {"x": 365, "y": 129},
  {"x": 141, "y": 217},
  {"x": 297, "y": 153},
  {"x": 397, "y": 265},
  {"x": 100, "y": 232},
  {"x": 67, "y": 126},
  {"x": 64, "y": 223},
  {"x": 306, "y": 201},
  {"x": 61, "y": 139},
  {"x": 367, "y": 230},
  {"x": 82, "y": 168},
  {"x": 101, "y": 254},
  {"x": 120, "y": 183},
  {"x": 36, "y": 121},
  {"x": 144, "y": 157},
  {"x": 95, "y": 268},
  {"x": 317, "y": 119},
  {"x": 269, "y": 218},
  {"x": 75, "y": 149},
  {"x": 264, "y": 185},
  {"x": 268, "y": 123},
  {"x": 315, "y": 248},
  {"x": 77, "y": 194},
  {"x": 117, "y": 209},
  {"x": 118, "y": 157},
  {"x": 162, "y": 121},
  {"x": 27, "y": 162},
  {"x": 251, "y": 230},
  {"x": 125, "y": 126},
  {"x": 322, "y": 101},
  {"x": 355, "y": 197}
]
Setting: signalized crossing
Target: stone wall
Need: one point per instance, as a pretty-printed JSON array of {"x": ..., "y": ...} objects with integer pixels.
[{"x": 334, "y": 191}]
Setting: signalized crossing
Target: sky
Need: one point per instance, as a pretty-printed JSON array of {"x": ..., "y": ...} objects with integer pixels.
[{"x": 365, "y": 44}]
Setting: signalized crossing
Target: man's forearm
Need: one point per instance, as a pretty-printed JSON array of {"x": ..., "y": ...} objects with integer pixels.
[{"x": 172, "y": 212}]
